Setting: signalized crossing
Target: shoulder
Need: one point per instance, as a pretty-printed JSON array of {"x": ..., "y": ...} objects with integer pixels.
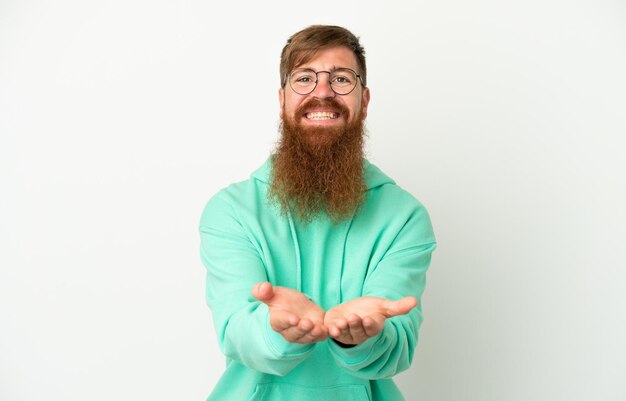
[
  {"x": 240, "y": 202},
  {"x": 392, "y": 209},
  {"x": 394, "y": 203},
  {"x": 228, "y": 200},
  {"x": 384, "y": 190}
]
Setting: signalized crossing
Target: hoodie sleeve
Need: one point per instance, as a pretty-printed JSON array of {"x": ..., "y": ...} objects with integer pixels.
[
  {"x": 241, "y": 322},
  {"x": 400, "y": 272}
]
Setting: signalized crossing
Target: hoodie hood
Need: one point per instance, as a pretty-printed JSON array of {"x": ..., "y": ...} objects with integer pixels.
[{"x": 373, "y": 176}]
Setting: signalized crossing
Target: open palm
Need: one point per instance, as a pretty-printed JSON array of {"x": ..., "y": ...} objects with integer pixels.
[
  {"x": 355, "y": 321},
  {"x": 292, "y": 314}
]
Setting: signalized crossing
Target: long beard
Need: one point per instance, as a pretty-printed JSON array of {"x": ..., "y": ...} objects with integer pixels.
[{"x": 319, "y": 171}]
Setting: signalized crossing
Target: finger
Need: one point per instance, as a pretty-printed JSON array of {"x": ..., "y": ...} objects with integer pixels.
[
  {"x": 281, "y": 321},
  {"x": 337, "y": 328},
  {"x": 357, "y": 331},
  {"x": 400, "y": 307},
  {"x": 371, "y": 327},
  {"x": 317, "y": 334},
  {"x": 263, "y": 291},
  {"x": 334, "y": 331},
  {"x": 295, "y": 333},
  {"x": 319, "y": 331},
  {"x": 340, "y": 331},
  {"x": 306, "y": 325}
]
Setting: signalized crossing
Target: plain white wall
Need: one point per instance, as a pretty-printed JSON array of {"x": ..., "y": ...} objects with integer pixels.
[{"x": 119, "y": 119}]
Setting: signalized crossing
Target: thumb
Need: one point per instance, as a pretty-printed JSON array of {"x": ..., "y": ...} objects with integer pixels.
[
  {"x": 401, "y": 306},
  {"x": 263, "y": 291}
]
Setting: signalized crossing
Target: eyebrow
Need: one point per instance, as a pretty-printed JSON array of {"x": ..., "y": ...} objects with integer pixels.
[{"x": 333, "y": 69}]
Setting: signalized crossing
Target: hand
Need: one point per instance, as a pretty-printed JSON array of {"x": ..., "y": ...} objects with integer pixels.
[
  {"x": 292, "y": 314},
  {"x": 355, "y": 321}
]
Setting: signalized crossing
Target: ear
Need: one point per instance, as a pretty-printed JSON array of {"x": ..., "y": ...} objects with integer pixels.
[
  {"x": 365, "y": 101},
  {"x": 281, "y": 101}
]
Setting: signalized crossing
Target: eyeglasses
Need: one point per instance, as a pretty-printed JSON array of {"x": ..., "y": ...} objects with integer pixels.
[{"x": 342, "y": 80}]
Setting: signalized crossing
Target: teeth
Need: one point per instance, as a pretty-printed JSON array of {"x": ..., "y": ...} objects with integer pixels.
[{"x": 322, "y": 115}]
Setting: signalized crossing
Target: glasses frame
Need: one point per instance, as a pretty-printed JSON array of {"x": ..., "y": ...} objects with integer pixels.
[{"x": 317, "y": 80}]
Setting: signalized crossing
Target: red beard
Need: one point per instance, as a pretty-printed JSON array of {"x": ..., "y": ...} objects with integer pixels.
[{"x": 319, "y": 170}]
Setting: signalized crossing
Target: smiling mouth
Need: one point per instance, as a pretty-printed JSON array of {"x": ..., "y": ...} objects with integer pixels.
[{"x": 322, "y": 115}]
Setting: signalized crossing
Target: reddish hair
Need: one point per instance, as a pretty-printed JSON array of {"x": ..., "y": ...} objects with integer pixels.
[{"x": 303, "y": 45}]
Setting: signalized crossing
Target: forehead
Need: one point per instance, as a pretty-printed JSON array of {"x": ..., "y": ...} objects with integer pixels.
[{"x": 331, "y": 58}]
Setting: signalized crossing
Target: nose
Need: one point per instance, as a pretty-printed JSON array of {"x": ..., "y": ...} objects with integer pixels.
[{"x": 322, "y": 89}]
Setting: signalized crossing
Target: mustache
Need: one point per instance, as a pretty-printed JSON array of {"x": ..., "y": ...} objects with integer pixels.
[{"x": 319, "y": 103}]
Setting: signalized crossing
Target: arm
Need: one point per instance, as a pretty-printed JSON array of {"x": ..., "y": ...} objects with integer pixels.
[
  {"x": 234, "y": 265},
  {"x": 385, "y": 332}
]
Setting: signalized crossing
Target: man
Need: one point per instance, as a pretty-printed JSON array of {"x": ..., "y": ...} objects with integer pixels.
[{"x": 315, "y": 265}]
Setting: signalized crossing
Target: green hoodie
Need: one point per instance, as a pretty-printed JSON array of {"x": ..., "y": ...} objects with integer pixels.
[{"x": 383, "y": 251}]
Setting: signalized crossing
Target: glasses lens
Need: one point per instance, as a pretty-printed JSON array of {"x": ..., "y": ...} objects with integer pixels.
[
  {"x": 343, "y": 81},
  {"x": 303, "y": 81}
]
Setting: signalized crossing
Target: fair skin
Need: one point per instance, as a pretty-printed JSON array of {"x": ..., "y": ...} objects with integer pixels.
[
  {"x": 300, "y": 320},
  {"x": 327, "y": 60},
  {"x": 292, "y": 314}
]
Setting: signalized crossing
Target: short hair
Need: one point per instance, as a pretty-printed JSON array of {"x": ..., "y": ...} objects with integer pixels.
[{"x": 302, "y": 46}]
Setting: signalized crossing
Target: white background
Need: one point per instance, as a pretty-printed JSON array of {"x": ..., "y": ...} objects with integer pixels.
[{"x": 120, "y": 119}]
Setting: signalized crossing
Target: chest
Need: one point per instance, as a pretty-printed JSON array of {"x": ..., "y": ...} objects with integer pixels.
[{"x": 328, "y": 262}]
